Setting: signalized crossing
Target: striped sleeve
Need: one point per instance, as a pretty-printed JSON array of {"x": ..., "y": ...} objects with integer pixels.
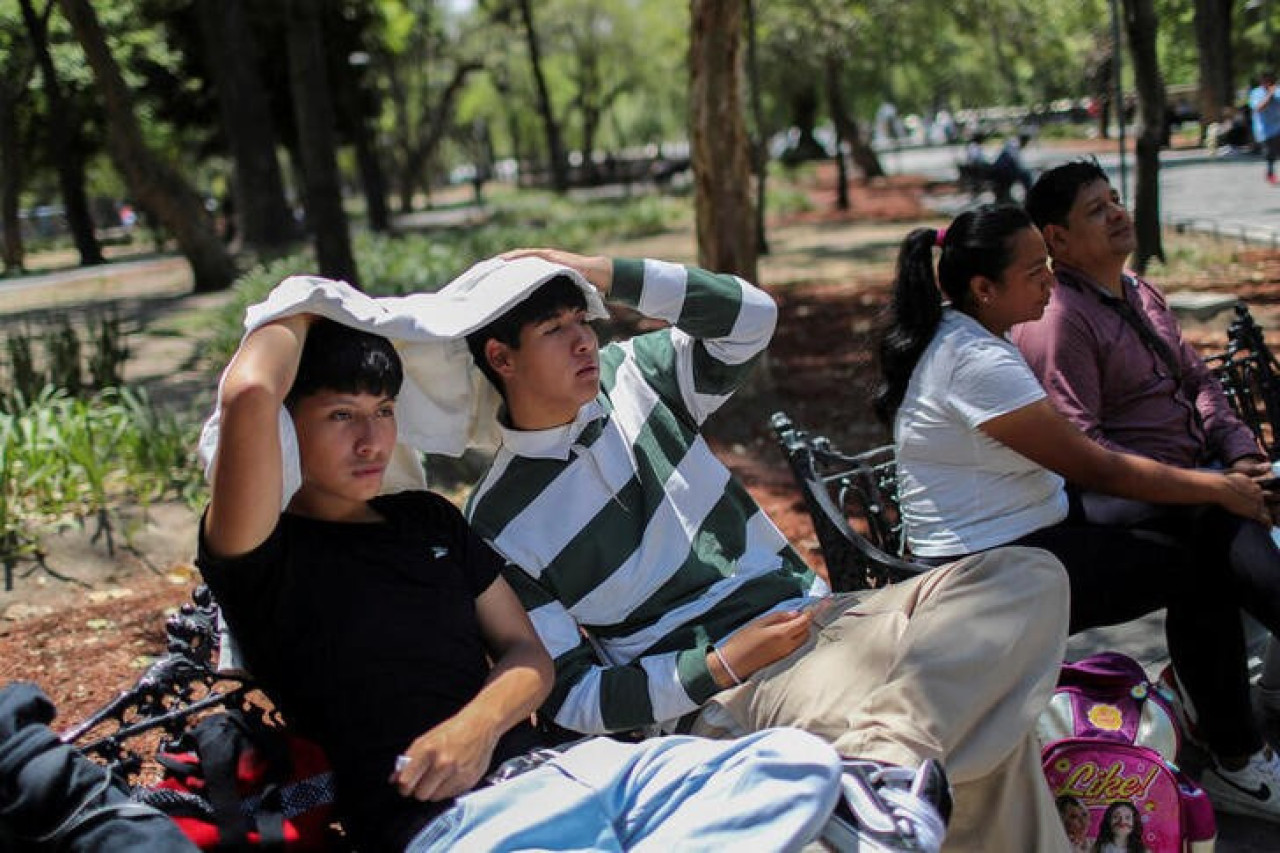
[
  {"x": 593, "y": 697},
  {"x": 721, "y": 325}
]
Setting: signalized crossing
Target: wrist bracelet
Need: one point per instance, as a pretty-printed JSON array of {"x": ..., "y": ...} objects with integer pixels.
[{"x": 733, "y": 676}]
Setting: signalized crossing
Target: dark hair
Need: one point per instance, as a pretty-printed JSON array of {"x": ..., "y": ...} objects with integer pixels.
[
  {"x": 1064, "y": 800},
  {"x": 977, "y": 243},
  {"x": 339, "y": 358},
  {"x": 1104, "y": 831},
  {"x": 552, "y": 297},
  {"x": 1050, "y": 198}
]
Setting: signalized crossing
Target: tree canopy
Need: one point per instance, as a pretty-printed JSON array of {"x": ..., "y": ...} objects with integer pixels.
[{"x": 420, "y": 91}]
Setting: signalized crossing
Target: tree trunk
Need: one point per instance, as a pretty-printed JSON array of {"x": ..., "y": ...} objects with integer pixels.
[
  {"x": 432, "y": 131},
  {"x": 836, "y": 107},
  {"x": 258, "y": 188},
  {"x": 511, "y": 115},
  {"x": 1140, "y": 25},
  {"x": 864, "y": 157},
  {"x": 803, "y": 103},
  {"x": 155, "y": 185},
  {"x": 759, "y": 145},
  {"x": 317, "y": 145},
  {"x": 721, "y": 154},
  {"x": 1213, "y": 43},
  {"x": 555, "y": 147},
  {"x": 372, "y": 178},
  {"x": 401, "y": 142},
  {"x": 66, "y": 142},
  {"x": 359, "y": 102},
  {"x": 11, "y": 251}
]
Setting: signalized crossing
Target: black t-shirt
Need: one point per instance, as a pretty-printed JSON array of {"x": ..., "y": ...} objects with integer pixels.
[{"x": 365, "y": 636}]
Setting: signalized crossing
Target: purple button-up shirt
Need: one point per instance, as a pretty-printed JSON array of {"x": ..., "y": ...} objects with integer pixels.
[{"x": 1106, "y": 380}]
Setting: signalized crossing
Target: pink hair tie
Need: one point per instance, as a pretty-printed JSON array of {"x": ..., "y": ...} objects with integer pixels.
[{"x": 940, "y": 237}]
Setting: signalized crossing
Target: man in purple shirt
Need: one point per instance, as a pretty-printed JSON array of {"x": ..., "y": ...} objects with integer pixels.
[{"x": 1112, "y": 359}]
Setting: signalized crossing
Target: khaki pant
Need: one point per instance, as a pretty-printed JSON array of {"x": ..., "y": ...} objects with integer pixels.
[{"x": 955, "y": 665}]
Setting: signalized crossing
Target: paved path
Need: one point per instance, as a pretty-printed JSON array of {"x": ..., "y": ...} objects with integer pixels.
[{"x": 1226, "y": 194}]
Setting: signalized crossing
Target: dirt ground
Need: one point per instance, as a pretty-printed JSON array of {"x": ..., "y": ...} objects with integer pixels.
[{"x": 86, "y": 628}]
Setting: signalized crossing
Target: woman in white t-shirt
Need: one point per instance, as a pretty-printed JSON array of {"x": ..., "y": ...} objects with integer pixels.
[{"x": 982, "y": 457}]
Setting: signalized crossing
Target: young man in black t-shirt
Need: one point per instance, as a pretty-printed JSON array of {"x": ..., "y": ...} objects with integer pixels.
[{"x": 381, "y": 627}]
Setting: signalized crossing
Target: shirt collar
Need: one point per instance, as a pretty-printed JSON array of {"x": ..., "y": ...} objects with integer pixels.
[
  {"x": 1080, "y": 280},
  {"x": 555, "y": 442}
]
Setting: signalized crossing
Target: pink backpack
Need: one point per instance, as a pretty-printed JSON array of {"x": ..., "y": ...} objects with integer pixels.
[{"x": 1109, "y": 741}]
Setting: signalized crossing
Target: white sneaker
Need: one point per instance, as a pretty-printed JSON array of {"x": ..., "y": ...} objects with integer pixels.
[
  {"x": 1252, "y": 790},
  {"x": 890, "y": 809}
]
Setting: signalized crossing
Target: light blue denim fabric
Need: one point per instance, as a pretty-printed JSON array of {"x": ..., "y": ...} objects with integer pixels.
[{"x": 769, "y": 791}]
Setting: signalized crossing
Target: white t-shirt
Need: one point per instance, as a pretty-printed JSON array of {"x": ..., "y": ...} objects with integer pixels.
[{"x": 961, "y": 490}]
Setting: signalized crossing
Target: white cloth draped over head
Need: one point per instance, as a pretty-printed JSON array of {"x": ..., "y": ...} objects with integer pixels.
[{"x": 446, "y": 405}]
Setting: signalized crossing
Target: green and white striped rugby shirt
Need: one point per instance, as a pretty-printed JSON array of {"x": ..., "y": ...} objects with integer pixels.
[{"x": 624, "y": 526}]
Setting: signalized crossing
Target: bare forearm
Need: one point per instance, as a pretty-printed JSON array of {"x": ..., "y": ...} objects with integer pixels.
[
  {"x": 245, "y": 499},
  {"x": 267, "y": 361},
  {"x": 1128, "y": 475},
  {"x": 518, "y": 683}
]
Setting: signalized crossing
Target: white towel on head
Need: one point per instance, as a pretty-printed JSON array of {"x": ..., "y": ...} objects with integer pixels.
[{"x": 446, "y": 404}]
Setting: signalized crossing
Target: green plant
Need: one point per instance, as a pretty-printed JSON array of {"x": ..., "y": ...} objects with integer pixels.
[
  {"x": 88, "y": 440},
  {"x": 159, "y": 449},
  {"x": 62, "y": 347},
  {"x": 25, "y": 379},
  {"x": 110, "y": 351},
  {"x": 73, "y": 460},
  {"x": 16, "y": 541}
]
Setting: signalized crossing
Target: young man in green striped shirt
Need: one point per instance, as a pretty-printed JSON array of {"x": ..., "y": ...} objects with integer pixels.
[{"x": 668, "y": 599}]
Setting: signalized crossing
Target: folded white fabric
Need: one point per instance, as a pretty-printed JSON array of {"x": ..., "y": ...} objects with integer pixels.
[{"x": 445, "y": 405}]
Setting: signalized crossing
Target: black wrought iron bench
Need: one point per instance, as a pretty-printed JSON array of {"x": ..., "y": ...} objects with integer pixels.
[
  {"x": 178, "y": 688},
  {"x": 853, "y": 502},
  {"x": 1250, "y": 377},
  {"x": 853, "y": 498}
]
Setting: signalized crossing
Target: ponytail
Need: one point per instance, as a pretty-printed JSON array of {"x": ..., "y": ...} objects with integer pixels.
[
  {"x": 913, "y": 315},
  {"x": 977, "y": 243}
]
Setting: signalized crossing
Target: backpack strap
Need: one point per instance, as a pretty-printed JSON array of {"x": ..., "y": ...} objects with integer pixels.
[
  {"x": 219, "y": 745},
  {"x": 267, "y": 814},
  {"x": 269, "y": 817}
]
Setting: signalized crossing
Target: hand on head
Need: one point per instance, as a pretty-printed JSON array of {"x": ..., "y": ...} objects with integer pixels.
[{"x": 596, "y": 269}]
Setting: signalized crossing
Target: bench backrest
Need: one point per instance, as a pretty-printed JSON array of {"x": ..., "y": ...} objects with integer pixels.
[
  {"x": 1250, "y": 377},
  {"x": 178, "y": 688},
  {"x": 853, "y": 502}
]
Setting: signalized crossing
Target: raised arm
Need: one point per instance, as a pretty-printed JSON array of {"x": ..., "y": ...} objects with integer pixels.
[
  {"x": 244, "y": 504},
  {"x": 720, "y": 324},
  {"x": 452, "y": 757},
  {"x": 1042, "y": 435}
]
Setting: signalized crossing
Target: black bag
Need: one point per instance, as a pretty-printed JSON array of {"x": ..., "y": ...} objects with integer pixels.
[
  {"x": 235, "y": 782},
  {"x": 52, "y": 797}
]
